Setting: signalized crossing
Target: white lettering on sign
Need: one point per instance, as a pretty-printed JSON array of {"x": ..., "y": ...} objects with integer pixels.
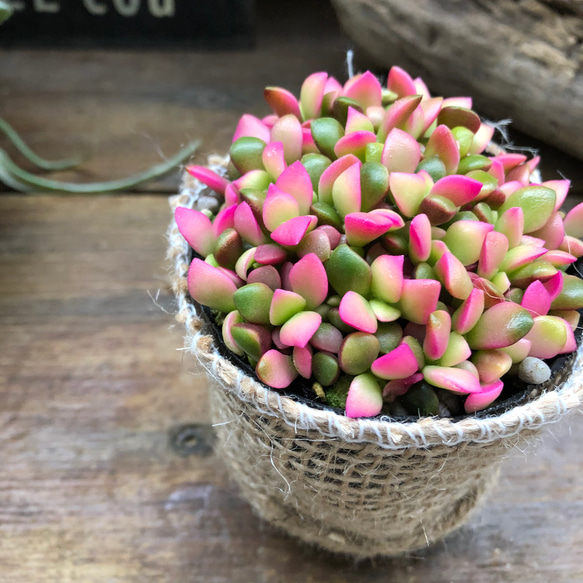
[
  {"x": 95, "y": 7},
  {"x": 127, "y": 7},
  {"x": 162, "y": 8},
  {"x": 46, "y": 6}
]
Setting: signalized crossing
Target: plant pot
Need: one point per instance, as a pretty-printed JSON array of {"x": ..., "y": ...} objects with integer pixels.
[{"x": 364, "y": 487}]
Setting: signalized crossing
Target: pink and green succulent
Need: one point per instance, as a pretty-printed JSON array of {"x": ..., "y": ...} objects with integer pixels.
[{"x": 369, "y": 245}]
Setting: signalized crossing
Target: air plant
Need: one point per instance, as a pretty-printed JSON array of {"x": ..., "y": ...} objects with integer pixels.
[{"x": 369, "y": 244}]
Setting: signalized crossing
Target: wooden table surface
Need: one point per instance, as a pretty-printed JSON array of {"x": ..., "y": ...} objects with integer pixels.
[{"x": 99, "y": 479}]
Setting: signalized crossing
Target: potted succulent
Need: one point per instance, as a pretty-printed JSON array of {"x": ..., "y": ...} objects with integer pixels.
[{"x": 386, "y": 302}]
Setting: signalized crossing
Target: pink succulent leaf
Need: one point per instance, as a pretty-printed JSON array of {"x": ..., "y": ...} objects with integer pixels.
[
  {"x": 518, "y": 351},
  {"x": 455, "y": 380},
  {"x": 408, "y": 190},
  {"x": 284, "y": 305},
  {"x": 572, "y": 317},
  {"x": 232, "y": 196},
  {"x": 533, "y": 163},
  {"x": 536, "y": 299},
  {"x": 384, "y": 312},
  {"x": 288, "y": 131},
  {"x": 399, "y": 363},
  {"x": 561, "y": 188},
  {"x": 327, "y": 338},
  {"x": 354, "y": 143},
  {"x": 510, "y": 160},
  {"x": 276, "y": 369},
  {"x": 270, "y": 254},
  {"x": 356, "y": 312},
  {"x": 209, "y": 177},
  {"x": 520, "y": 256},
  {"x": 282, "y": 101},
  {"x": 453, "y": 276},
  {"x": 387, "y": 277},
  {"x": 421, "y": 88},
  {"x": 365, "y": 89},
  {"x": 332, "y": 85},
  {"x": 486, "y": 396},
  {"x": 255, "y": 179},
  {"x": 250, "y": 126},
  {"x": 419, "y": 239},
  {"x": 558, "y": 258},
  {"x": 247, "y": 226},
  {"x": 211, "y": 286},
  {"x": 571, "y": 343},
  {"x": 302, "y": 360},
  {"x": 365, "y": 398},
  {"x": 509, "y": 187},
  {"x": 269, "y": 120},
  {"x": 430, "y": 108},
  {"x": 311, "y": 95},
  {"x": 266, "y": 274},
  {"x": 331, "y": 174},
  {"x": 437, "y": 334},
  {"x": 457, "y": 350},
  {"x": 553, "y": 231},
  {"x": 224, "y": 220},
  {"x": 501, "y": 325},
  {"x": 401, "y": 152},
  {"x": 442, "y": 144},
  {"x": 357, "y": 121},
  {"x": 492, "y": 295},
  {"x": 375, "y": 116},
  {"x": 253, "y": 339},
  {"x": 491, "y": 364},
  {"x": 415, "y": 123},
  {"x": 511, "y": 224},
  {"x": 481, "y": 139},
  {"x": 279, "y": 207},
  {"x": 419, "y": 299},
  {"x": 519, "y": 174},
  {"x": 398, "y": 387},
  {"x": 197, "y": 229},
  {"x": 457, "y": 188},
  {"x": 572, "y": 245},
  {"x": 308, "y": 144},
  {"x": 230, "y": 319},
  {"x": 245, "y": 262},
  {"x": 273, "y": 158},
  {"x": 468, "y": 366},
  {"x": 333, "y": 235},
  {"x": 277, "y": 341},
  {"x": 296, "y": 181},
  {"x": 308, "y": 278},
  {"x": 362, "y": 228},
  {"x": 316, "y": 242},
  {"x": 416, "y": 331},
  {"x": 397, "y": 114},
  {"x": 547, "y": 336},
  {"x": 290, "y": 233},
  {"x": 492, "y": 254},
  {"x": 465, "y": 239},
  {"x": 497, "y": 171},
  {"x": 346, "y": 194},
  {"x": 465, "y": 102},
  {"x": 298, "y": 330},
  {"x": 400, "y": 82},
  {"x": 574, "y": 221}
]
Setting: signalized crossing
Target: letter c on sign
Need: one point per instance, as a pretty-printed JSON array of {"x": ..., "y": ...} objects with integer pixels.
[
  {"x": 93, "y": 7},
  {"x": 127, "y": 7}
]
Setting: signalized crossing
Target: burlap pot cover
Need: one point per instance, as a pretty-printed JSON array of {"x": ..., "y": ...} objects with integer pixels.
[{"x": 360, "y": 486}]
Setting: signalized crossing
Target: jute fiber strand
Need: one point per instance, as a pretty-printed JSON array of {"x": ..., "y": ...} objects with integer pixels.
[{"x": 360, "y": 486}]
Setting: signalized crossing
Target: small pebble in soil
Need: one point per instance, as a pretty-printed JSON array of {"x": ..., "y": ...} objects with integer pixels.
[{"x": 533, "y": 371}]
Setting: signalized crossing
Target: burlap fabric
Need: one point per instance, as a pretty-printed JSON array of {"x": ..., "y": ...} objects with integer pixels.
[{"x": 360, "y": 486}]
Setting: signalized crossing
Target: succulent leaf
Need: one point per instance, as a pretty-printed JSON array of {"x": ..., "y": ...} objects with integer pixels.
[{"x": 365, "y": 398}]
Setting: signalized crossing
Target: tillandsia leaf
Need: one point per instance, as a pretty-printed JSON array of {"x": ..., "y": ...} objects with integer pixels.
[
  {"x": 355, "y": 143},
  {"x": 408, "y": 191},
  {"x": 399, "y": 363},
  {"x": 453, "y": 275},
  {"x": 457, "y": 350},
  {"x": 355, "y": 311},
  {"x": 419, "y": 299},
  {"x": 300, "y": 328},
  {"x": 284, "y": 305},
  {"x": 326, "y": 132},
  {"x": 231, "y": 319},
  {"x": 288, "y": 131},
  {"x": 387, "y": 277},
  {"x": 273, "y": 159},
  {"x": 465, "y": 239},
  {"x": 452, "y": 379},
  {"x": 459, "y": 189},
  {"x": 397, "y": 114},
  {"x": 266, "y": 274},
  {"x": 437, "y": 334},
  {"x": 365, "y": 89},
  {"x": 308, "y": 278},
  {"x": 537, "y": 203},
  {"x": 247, "y": 154},
  {"x": 574, "y": 221},
  {"x": 491, "y": 364},
  {"x": 253, "y": 301},
  {"x": 362, "y": 228},
  {"x": 419, "y": 239},
  {"x": 357, "y": 352},
  {"x": 442, "y": 144},
  {"x": 281, "y": 101},
  {"x": 365, "y": 398},
  {"x": 486, "y": 396},
  {"x": 511, "y": 224},
  {"x": 374, "y": 184},
  {"x": 454, "y": 116},
  {"x": 469, "y": 312},
  {"x": 290, "y": 233},
  {"x": 492, "y": 255},
  {"x": 25, "y": 179},
  {"x": 210, "y": 286},
  {"x": 401, "y": 152},
  {"x": 251, "y": 126},
  {"x": 346, "y": 191},
  {"x": 18, "y": 142},
  {"x": 357, "y": 121},
  {"x": 247, "y": 225},
  {"x": 276, "y": 369},
  {"x": 327, "y": 338},
  {"x": 197, "y": 229},
  {"x": 481, "y": 139},
  {"x": 296, "y": 181},
  {"x": 311, "y": 95},
  {"x": 547, "y": 336},
  {"x": 501, "y": 325},
  {"x": 536, "y": 299},
  {"x": 279, "y": 207},
  {"x": 331, "y": 174}
]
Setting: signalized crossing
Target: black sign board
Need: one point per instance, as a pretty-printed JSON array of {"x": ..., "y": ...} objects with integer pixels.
[{"x": 129, "y": 23}]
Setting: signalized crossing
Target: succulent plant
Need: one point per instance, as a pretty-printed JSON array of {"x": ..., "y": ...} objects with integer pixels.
[{"x": 367, "y": 242}]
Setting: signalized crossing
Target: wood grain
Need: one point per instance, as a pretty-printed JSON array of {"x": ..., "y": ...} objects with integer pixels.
[{"x": 93, "y": 387}]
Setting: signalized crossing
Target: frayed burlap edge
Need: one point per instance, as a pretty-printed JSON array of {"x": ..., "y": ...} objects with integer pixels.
[{"x": 360, "y": 486}]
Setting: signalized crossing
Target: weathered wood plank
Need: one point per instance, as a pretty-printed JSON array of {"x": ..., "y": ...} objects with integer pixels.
[{"x": 92, "y": 386}]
